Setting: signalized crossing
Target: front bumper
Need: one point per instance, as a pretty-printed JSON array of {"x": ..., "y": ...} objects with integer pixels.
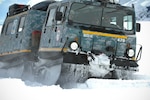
[
  {"x": 119, "y": 63},
  {"x": 75, "y": 58},
  {"x": 124, "y": 62}
]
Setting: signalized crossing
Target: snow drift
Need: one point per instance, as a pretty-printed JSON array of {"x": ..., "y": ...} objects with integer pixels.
[{"x": 15, "y": 89}]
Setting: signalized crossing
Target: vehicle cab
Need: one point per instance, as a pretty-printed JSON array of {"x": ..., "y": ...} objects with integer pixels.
[{"x": 81, "y": 29}]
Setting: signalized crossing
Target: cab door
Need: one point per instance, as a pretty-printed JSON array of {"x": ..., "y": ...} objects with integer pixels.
[
  {"x": 53, "y": 30},
  {"x": 12, "y": 35},
  {"x": 48, "y": 30},
  {"x": 59, "y": 28},
  {"x": 19, "y": 35},
  {"x": 8, "y": 36}
]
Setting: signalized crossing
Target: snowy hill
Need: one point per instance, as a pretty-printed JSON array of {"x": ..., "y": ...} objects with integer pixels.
[{"x": 142, "y": 8}]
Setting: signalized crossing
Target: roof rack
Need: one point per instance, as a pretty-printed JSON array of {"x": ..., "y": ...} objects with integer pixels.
[
  {"x": 17, "y": 8},
  {"x": 109, "y": 1}
]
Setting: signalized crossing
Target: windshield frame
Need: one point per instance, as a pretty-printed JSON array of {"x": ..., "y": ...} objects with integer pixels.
[{"x": 100, "y": 25}]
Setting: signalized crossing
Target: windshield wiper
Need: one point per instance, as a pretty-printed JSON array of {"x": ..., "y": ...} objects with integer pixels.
[
  {"x": 114, "y": 31},
  {"x": 86, "y": 26},
  {"x": 96, "y": 28}
]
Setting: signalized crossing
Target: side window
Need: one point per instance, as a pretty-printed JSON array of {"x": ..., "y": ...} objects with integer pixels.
[
  {"x": 127, "y": 22},
  {"x": 12, "y": 27},
  {"x": 9, "y": 27},
  {"x": 113, "y": 20},
  {"x": 51, "y": 17},
  {"x": 21, "y": 24}
]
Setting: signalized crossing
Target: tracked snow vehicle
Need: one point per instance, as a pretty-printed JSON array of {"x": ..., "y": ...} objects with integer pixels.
[{"x": 72, "y": 40}]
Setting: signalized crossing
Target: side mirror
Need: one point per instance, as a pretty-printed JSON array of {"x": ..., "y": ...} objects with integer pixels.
[
  {"x": 58, "y": 16},
  {"x": 138, "y": 27}
]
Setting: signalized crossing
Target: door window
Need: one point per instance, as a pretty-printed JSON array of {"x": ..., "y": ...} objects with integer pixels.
[
  {"x": 12, "y": 27},
  {"x": 9, "y": 28},
  {"x": 127, "y": 22},
  {"x": 50, "y": 20},
  {"x": 21, "y": 24},
  {"x": 63, "y": 10}
]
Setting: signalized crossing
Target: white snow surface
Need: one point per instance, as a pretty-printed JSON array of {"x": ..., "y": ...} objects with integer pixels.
[
  {"x": 143, "y": 38},
  {"x": 15, "y": 89},
  {"x": 92, "y": 89}
]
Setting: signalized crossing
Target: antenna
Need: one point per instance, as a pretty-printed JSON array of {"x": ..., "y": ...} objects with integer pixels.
[
  {"x": 111, "y": 1},
  {"x": 132, "y": 5}
]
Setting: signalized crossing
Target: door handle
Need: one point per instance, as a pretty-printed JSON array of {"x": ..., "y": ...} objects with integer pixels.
[
  {"x": 17, "y": 35},
  {"x": 55, "y": 29}
]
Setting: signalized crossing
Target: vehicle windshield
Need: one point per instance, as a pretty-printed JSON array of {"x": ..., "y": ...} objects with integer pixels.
[{"x": 108, "y": 17}]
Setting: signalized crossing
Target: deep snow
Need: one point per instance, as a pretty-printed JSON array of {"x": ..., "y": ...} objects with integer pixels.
[
  {"x": 15, "y": 89},
  {"x": 92, "y": 89}
]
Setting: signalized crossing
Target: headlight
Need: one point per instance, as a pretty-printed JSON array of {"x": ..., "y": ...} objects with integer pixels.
[
  {"x": 74, "y": 46},
  {"x": 130, "y": 52}
]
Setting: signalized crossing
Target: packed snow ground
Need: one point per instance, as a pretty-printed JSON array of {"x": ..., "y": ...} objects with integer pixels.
[
  {"x": 15, "y": 89},
  {"x": 92, "y": 89}
]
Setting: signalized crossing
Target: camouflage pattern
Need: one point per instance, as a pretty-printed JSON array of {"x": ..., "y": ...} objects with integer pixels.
[
  {"x": 51, "y": 42},
  {"x": 59, "y": 36},
  {"x": 16, "y": 41}
]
